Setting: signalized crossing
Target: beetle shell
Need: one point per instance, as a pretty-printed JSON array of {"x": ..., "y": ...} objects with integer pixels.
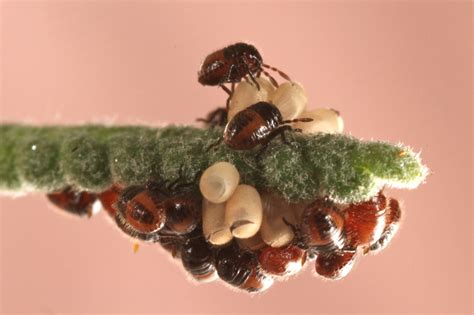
[
  {"x": 128, "y": 229},
  {"x": 183, "y": 213},
  {"x": 230, "y": 64},
  {"x": 334, "y": 265},
  {"x": 392, "y": 218},
  {"x": 365, "y": 222},
  {"x": 322, "y": 226},
  {"x": 198, "y": 258},
  {"x": 141, "y": 209},
  {"x": 172, "y": 244},
  {"x": 252, "y": 126},
  {"x": 282, "y": 261},
  {"x": 240, "y": 268},
  {"x": 75, "y": 202},
  {"x": 233, "y": 265}
]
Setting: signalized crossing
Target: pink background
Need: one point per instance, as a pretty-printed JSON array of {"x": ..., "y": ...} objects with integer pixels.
[{"x": 397, "y": 71}]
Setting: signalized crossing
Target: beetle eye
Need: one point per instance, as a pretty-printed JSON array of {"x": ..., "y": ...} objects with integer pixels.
[{"x": 141, "y": 210}]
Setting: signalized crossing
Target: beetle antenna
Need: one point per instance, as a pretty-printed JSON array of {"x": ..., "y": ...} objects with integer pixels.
[
  {"x": 281, "y": 73},
  {"x": 272, "y": 79},
  {"x": 289, "y": 121}
]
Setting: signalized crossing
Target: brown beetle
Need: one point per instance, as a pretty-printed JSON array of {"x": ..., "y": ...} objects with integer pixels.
[
  {"x": 75, "y": 202},
  {"x": 257, "y": 125},
  {"x": 181, "y": 203},
  {"x": 183, "y": 212},
  {"x": 321, "y": 233},
  {"x": 322, "y": 226},
  {"x": 197, "y": 257},
  {"x": 364, "y": 222},
  {"x": 335, "y": 265},
  {"x": 392, "y": 218},
  {"x": 232, "y": 64},
  {"x": 282, "y": 261},
  {"x": 240, "y": 268},
  {"x": 140, "y": 213}
]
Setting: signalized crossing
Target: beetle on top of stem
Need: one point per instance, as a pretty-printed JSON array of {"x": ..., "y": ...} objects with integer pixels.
[
  {"x": 232, "y": 64},
  {"x": 257, "y": 125}
]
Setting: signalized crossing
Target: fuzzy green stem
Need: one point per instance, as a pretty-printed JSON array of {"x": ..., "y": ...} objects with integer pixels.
[{"x": 93, "y": 157}]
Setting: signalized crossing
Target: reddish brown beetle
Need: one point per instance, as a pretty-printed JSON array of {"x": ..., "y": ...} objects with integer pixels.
[
  {"x": 282, "y": 261},
  {"x": 140, "y": 213},
  {"x": 392, "y": 218},
  {"x": 183, "y": 212},
  {"x": 322, "y": 226},
  {"x": 182, "y": 205},
  {"x": 321, "y": 233},
  {"x": 241, "y": 269},
  {"x": 364, "y": 222},
  {"x": 232, "y": 64},
  {"x": 197, "y": 257},
  {"x": 257, "y": 125},
  {"x": 335, "y": 265},
  {"x": 75, "y": 202}
]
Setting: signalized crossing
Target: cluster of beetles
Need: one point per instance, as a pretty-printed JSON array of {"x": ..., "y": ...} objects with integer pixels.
[{"x": 329, "y": 234}]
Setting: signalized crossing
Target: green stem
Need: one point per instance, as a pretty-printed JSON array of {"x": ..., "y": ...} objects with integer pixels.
[{"x": 92, "y": 157}]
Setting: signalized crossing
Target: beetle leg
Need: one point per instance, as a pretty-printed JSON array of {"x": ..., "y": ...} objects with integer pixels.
[
  {"x": 335, "y": 265},
  {"x": 212, "y": 145},
  {"x": 217, "y": 117},
  {"x": 171, "y": 186},
  {"x": 159, "y": 190},
  {"x": 226, "y": 89},
  {"x": 229, "y": 92},
  {"x": 279, "y": 131},
  {"x": 179, "y": 186},
  {"x": 253, "y": 79}
]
